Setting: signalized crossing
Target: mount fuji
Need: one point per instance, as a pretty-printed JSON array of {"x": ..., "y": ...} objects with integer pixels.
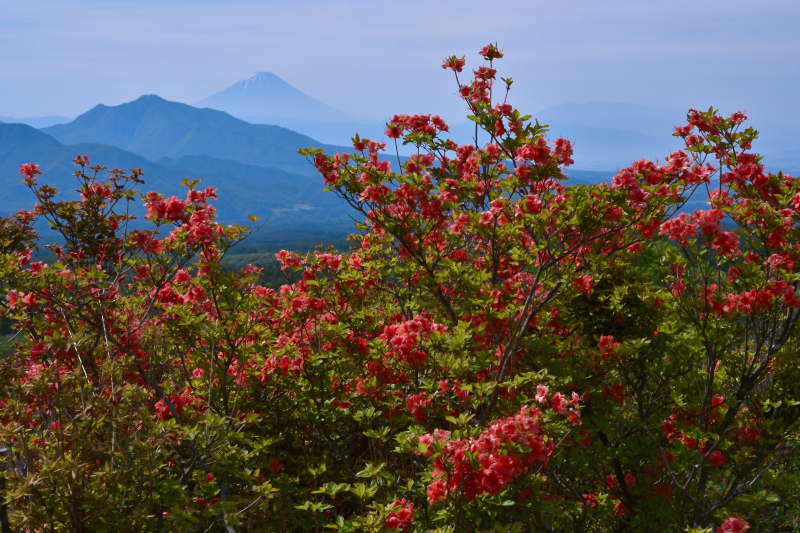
[
  {"x": 264, "y": 98},
  {"x": 264, "y": 95}
]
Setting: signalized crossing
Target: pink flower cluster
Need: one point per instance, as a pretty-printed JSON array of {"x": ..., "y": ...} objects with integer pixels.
[
  {"x": 14, "y": 297},
  {"x": 658, "y": 177},
  {"x": 171, "y": 209},
  {"x": 756, "y": 300},
  {"x": 733, "y": 524},
  {"x": 417, "y": 405},
  {"x": 501, "y": 453},
  {"x": 402, "y": 516},
  {"x": 29, "y": 170},
  {"x": 747, "y": 169},
  {"x": 684, "y": 227},
  {"x": 329, "y": 166},
  {"x": 282, "y": 364},
  {"x": 181, "y": 401},
  {"x": 427, "y": 124},
  {"x": 288, "y": 260},
  {"x": 96, "y": 190},
  {"x": 405, "y": 338},
  {"x": 584, "y": 284}
]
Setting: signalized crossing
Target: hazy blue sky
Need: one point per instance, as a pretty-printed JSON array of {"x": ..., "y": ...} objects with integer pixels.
[{"x": 379, "y": 57}]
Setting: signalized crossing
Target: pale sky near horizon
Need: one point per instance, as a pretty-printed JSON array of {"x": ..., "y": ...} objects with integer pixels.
[{"x": 375, "y": 58}]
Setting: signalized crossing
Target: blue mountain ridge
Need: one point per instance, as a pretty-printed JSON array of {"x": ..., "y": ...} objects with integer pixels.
[
  {"x": 610, "y": 134},
  {"x": 258, "y": 171},
  {"x": 36, "y": 122},
  {"x": 607, "y": 135},
  {"x": 153, "y": 128},
  {"x": 288, "y": 202}
]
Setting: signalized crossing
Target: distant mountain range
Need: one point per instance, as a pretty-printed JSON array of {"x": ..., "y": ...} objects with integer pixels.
[
  {"x": 264, "y": 98},
  {"x": 596, "y": 148},
  {"x": 610, "y": 135},
  {"x": 256, "y": 166},
  {"x": 153, "y": 127},
  {"x": 607, "y": 135},
  {"x": 620, "y": 116},
  {"x": 36, "y": 122},
  {"x": 293, "y": 204}
]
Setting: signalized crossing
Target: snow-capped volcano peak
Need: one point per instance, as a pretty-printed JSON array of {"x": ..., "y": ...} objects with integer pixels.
[
  {"x": 263, "y": 94},
  {"x": 262, "y": 79}
]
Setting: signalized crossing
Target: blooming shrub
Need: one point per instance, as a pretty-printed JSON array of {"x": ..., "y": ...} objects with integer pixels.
[{"x": 499, "y": 350}]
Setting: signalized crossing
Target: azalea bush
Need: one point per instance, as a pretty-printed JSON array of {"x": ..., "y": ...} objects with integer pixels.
[{"x": 500, "y": 350}]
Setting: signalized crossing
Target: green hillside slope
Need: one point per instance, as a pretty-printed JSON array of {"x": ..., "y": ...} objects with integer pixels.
[
  {"x": 153, "y": 128},
  {"x": 288, "y": 202}
]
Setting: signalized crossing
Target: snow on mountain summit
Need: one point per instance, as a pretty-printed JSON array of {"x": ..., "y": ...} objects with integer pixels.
[
  {"x": 261, "y": 82},
  {"x": 263, "y": 95}
]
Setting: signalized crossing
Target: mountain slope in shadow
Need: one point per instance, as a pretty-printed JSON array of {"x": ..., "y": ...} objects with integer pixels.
[
  {"x": 153, "y": 128},
  {"x": 286, "y": 201}
]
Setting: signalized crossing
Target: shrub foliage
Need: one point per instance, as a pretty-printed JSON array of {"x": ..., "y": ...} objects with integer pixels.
[{"x": 498, "y": 351}]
